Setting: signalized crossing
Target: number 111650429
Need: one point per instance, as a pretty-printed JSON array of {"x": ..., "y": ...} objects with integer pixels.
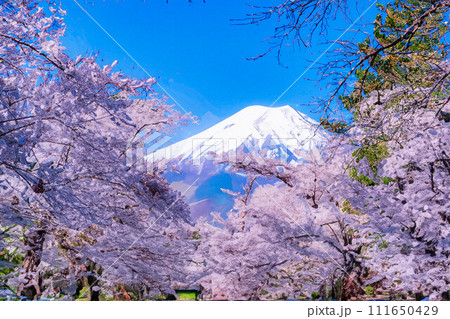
[{"x": 403, "y": 310}]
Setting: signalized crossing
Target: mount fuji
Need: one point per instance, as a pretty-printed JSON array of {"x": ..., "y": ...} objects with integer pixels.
[{"x": 280, "y": 132}]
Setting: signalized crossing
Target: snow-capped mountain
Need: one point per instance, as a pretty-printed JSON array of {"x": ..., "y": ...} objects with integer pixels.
[{"x": 281, "y": 132}]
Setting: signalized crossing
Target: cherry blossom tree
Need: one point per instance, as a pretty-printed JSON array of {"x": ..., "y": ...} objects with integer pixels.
[
  {"x": 378, "y": 193},
  {"x": 344, "y": 225},
  {"x": 65, "y": 125},
  {"x": 263, "y": 251}
]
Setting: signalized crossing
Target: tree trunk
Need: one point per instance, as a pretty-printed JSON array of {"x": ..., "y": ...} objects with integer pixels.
[
  {"x": 31, "y": 287},
  {"x": 351, "y": 285},
  {"x": 352, "y": 280}
]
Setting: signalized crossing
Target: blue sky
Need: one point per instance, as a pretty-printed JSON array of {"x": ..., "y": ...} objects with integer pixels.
[{"x": 198, "y": 55}]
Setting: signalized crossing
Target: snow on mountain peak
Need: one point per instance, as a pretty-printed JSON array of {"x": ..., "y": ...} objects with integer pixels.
[{"x": 281, "y": 130}]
